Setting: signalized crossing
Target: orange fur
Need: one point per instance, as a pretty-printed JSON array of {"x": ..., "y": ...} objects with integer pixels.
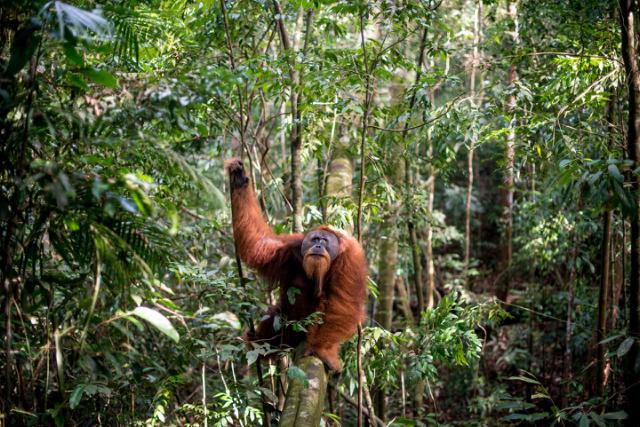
[
  {"x": 343, "y": 282},
  {"x": 316, "y": 268}
]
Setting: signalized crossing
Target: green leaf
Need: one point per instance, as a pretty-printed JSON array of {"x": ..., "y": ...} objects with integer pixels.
[
  {"x": 72, "y": 55},
  {"x": 540, "y": 396},
  {"x": 76, "y": 396},
  {"x": 292, "y": 293},
  {"x": 76, "y": 80},
  {"x": 615, "y": 173},
  {"x": 515, "y": 405},
  {"x": 277, "y": 324},
  {"x": 611, "y": 338},
  {"x": 584, "y": 420},
  {"x": 25, "y": 42},
  {"x": 624, "y": 347},
  {"x": 564, "y": 163},
  {"x": 252, "y": 356},
  {"x": 597, "y": 419},
  {"x": 618, "y": 415},
  {"x": 128, "y": 205},
  {"x": 525, "y": 379},
  {"x": 516, "y": 417},
  {"x": 158, "y": 321},
  {"x": 101, "y": 77}
]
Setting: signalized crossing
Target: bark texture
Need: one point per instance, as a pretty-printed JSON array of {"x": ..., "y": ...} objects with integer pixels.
[
  {"x": 295, "y": 93},
  {"x": 628, "y": 13},
  {"x": 475, "y": 101},
  {"x": 603, "y": 303},
  {"x": 506, "y": 247},
  {"x": 305, "y": 402}
]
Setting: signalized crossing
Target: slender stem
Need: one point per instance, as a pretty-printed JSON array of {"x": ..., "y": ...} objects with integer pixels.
[
  {"x": 94, "y": 298},
  {"x": 232, "y": 61},
  {"x": 350, "y": 401},
  {"x": 365, "y": 122},
  {"x": 296, "y": 128},
  {"x": 413, "y": 238},
  {"x": 363, "y": 143},
  {"x": 360, "y": 375},
  {"x": 204, "y": 395},
  {"x": 472, "y": 142}
]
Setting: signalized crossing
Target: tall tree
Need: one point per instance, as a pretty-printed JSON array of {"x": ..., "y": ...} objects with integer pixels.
[
  {"x": 410, "y": 181},
  {"x": 430, "y": 289},
  {"x": 295, "y": 93},
  {"x": 507, "y": 190},
  {"x": 604, "y": 302},
  {"x": 475, "y": 102},
  {"x": 388, "y": 257},
  {"x": 629, "y": 11}
]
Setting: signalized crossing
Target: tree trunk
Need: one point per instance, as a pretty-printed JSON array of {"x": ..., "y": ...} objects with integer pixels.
[
  {"x": 295, "y": 101},
  {"x": 409, "y": 184},
  {"x": 603, "y": 304},
  {"x": 571, "y": 282},
  {"x": 618, "y": 254},
  {"x": 405, "y": 304},
  {"x": 472, "y": 143},
  {"x": 305, "y": 399},
  {"x": 428, "y": 298},
  {"x": 417, "y": 267},
  {"x": 628, "y": 12},
  {"x": 431, "y": 189},
  {"x": 325, "y": 170},
  {"x": 339, "y": 176},
  {"x": 506, "y": 248},
  {"x": 387, "y": 274},
  {"x": 387, "y": 266}
]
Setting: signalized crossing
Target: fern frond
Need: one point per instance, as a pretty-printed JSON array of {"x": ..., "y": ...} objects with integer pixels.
[{"x": 136, "y": 28}]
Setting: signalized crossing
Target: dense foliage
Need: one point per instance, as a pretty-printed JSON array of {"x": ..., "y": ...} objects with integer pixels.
[{"x": 479, "y": 149}]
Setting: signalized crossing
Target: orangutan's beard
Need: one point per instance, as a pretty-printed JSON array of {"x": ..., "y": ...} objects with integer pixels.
[{"x": 316, "y": 268}]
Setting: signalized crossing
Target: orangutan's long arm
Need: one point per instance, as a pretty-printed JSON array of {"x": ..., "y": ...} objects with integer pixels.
[{"x": 256, "y": 243}]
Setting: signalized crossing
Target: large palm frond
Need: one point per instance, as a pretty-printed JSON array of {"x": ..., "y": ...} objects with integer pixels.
[{"x": 140, "y": 27}]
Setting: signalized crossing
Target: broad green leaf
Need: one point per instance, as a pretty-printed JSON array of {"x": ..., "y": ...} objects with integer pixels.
[
  {"x": 76, "y": 396},
  {"x": 615, "y": 173},
  {"x": 72, "y": 54},
  {"x": 584, "y": 420},
  {"x": 624, "y": 347},
  {"x": 252, "y": 356},
  {"x": 158, "y": 321},
  {"x": 25, "y": 42},
  {"x": 76, "y": 80},
  {"x": 597, "y": 419},
  {"x": 618, "y": 415},
  {"x": 101, "y": 77}
]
